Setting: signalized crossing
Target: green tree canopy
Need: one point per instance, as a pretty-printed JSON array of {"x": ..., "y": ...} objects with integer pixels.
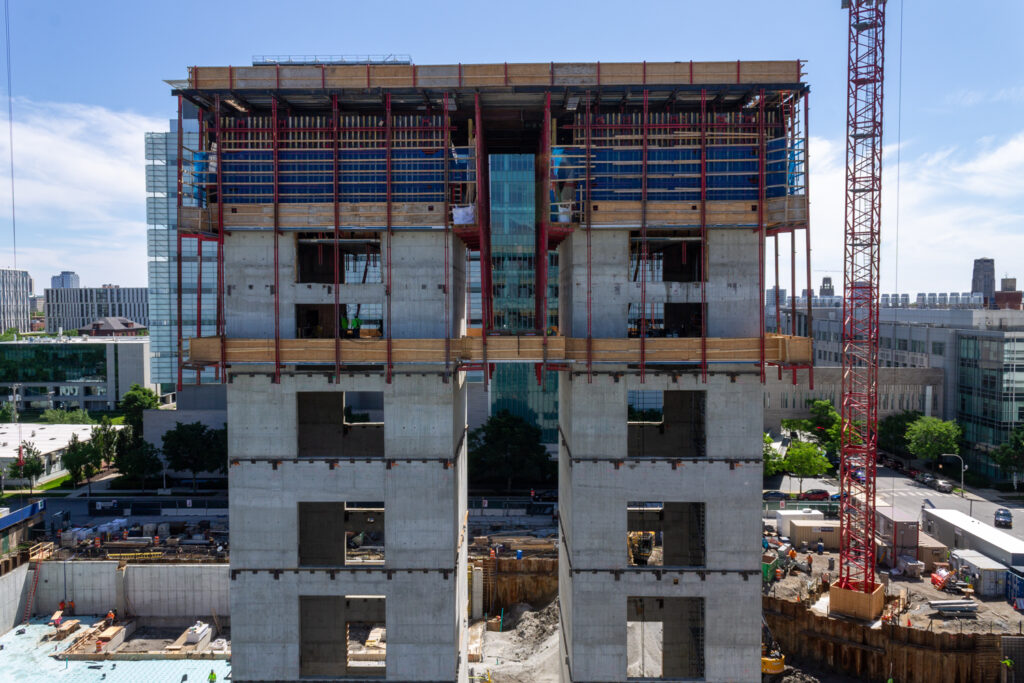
[
  {"x": 805, "y": 459},
  {"x": 892, "y": 431},
  {"x": 823, "y": 426},
  {"x": 1010, "y": 454},
  {"x": 930, "y": 437},
  {"x": 78, "y": 458},
  {"x": 104, "y": 440},
  {"x": 67, "y": 417},
  {"x": 140, "y": 461},
  {"x": 506, "y": 450},
  {"x": 31, "y": 467},
  {"x": 6, "y": 412},
  {"x": 773, "y": 462},
  {"x": 195, "y": 448},
  {"x": 134, "y": 401}
]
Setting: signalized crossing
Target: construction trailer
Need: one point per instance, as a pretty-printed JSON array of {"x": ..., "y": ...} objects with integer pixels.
[
  {"x": 986, "y": 576},
  {"x": 898, "y": 530},
  {"x": 958, "y": 530},
  {"x": 643, "y": 197}
]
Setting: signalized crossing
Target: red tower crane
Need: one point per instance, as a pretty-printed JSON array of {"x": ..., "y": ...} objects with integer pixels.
[{"x": 859, "y": 409}]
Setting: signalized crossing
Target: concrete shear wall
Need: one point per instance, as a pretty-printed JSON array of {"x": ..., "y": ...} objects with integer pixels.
[{"x": 13, "y": 592}]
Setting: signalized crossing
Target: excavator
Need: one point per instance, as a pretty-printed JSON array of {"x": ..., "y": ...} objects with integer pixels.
[
  {"x": 641, "y": 545},
  {"x": 773, "y": 662}
]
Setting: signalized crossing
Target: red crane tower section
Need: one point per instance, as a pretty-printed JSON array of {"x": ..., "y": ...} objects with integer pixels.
[{"x": 860, "y": 303}]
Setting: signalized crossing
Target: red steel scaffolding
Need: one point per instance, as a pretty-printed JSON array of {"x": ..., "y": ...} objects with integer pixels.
[{"x": 859, "y": 409}]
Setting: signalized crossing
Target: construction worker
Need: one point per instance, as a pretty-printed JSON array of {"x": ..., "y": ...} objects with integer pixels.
[
  {"x": 792, "y": 553},
  {"x": 356, "y": 324},
  {"x": 111, "y": 616},
  {"x": 212, "y": 678},
  {"x": 61, "y": 606},
  {"x": 810, "y": 563},
  {"x": 343, "y": 326}
]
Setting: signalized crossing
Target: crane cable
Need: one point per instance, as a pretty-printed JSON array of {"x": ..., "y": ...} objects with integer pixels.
[
  {"x": 10, "y": 129},
  {"x": 899, "y": 145}
]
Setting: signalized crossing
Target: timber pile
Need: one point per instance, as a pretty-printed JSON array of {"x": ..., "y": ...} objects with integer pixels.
[{"x": 906, "y": 654}]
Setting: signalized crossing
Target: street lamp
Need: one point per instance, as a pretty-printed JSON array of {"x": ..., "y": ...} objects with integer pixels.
[{"x": 963, "y": 468}]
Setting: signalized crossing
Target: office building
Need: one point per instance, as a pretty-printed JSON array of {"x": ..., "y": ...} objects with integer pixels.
[
  {"x": 15, "y": 294},
  {"x": 66, "y": 280},
  {"x": 67, "y": 310},
  {"x": 983, "y": 280},
  {"x": 639, "y": 195}
]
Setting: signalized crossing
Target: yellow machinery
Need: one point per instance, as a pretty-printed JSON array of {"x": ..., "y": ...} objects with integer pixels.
[
  {"x": 641, "y": 545},
  {"x": 773, "y": 662}
]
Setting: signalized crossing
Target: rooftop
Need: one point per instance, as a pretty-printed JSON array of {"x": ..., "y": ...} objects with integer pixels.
[
  {"x": 64, "y": 339},
  {"x": 46, "y": 437},
  {"x": 979, "y": 529}
]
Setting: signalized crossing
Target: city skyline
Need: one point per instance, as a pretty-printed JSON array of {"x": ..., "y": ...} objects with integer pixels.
[{"x": 960, "y": 152}]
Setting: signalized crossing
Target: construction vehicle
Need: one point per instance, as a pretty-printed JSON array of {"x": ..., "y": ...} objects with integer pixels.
[
  {"x": 773, "y": 662},
  {"x": 641, "y": 545}
]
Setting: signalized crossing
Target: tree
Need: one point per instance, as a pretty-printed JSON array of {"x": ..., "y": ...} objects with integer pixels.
[
  {"x": 773, "y": 462},
  {"x": 804, "y": 459},
  {"x": 134, "y": 401},
  {"x": 104, "y": 439},
  {"x": 67, "y": 417},
  {"x": 77, "y": 459},
  {"x": 140, "y": 461},
  {"x": 1009, "y": 455},
  {"x": 7, "y": 413},
  {"x": 824, "y": 425},
  {"x": 930, "y": 437},
  {"x": 32, "y": 466},
  {"x": 892, "y": 431},
  {"x": 194, "y": 448},
  {"x": 506, "y": 450}
]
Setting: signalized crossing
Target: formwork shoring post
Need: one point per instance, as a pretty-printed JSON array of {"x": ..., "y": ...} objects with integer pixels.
[
  {"x": 199, "y": 285},
  {"x": 541, "y": 259},
  {"x": 277, "y": 279},
  {"x": 387, "y": 199},
  {"x": 445, "y": 150},
  {"x": 778, "y": 309},
  {"x": 703, "y": 231},
  {"x": 177, "y": 232},
  {"x": 792, "y": 254},
  {"x": 590, "y": 336},
  {"x": 643, "y": 243},
  {"x": 482, "y": 212},
  {"x": 335, "y": 134},
  {"x": 221, "y": 318},
  {"x": 760, "y": 220},
  {"x": 807, "y": 227}
]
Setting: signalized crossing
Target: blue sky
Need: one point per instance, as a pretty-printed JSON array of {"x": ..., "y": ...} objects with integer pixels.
[{"x": 88, "y": 82}]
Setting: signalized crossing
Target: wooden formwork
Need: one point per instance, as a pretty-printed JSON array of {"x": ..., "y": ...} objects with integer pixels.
[
  {"x": 855, "y": 603},
  {"x": 907, "y": 655},
  {"x": 535, "y": 349},
  {"x": 590, "y": 74}
]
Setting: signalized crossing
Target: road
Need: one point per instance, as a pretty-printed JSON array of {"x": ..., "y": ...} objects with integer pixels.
[{"x": 907, "y": 495}]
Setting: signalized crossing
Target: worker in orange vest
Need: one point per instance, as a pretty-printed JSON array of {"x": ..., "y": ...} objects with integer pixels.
[
  {"x": 61, "y": 606},
  {"x": 111, "y": 616}
]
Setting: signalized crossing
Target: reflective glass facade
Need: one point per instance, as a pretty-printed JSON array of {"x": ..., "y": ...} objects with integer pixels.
[
  {"x": 53, "y": 362},
  {"x": 990, "y": 393},
  {"x": 161, "y": 216},
  {"x": 514, "y": 262}
]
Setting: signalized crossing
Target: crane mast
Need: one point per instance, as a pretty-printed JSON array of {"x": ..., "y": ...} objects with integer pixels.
[{"x": 859, "y": 409}]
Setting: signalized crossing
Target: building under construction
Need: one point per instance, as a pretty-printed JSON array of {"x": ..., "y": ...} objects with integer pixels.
[{"x": 344, "y": 201}]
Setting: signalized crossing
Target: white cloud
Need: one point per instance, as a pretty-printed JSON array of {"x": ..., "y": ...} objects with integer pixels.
[
  {"x": 956, "y": 205},
  {"x": 80, "y": 192}
]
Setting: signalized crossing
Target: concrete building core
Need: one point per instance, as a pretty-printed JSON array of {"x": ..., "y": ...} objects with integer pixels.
[{"x": 618, "y": 215}]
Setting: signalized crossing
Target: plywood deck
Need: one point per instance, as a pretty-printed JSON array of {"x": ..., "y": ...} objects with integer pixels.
[{"x": 778, "y": 349}]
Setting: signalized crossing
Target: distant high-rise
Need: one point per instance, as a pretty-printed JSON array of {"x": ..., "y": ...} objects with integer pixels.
[
  {"x": 15, "y": 290},
  {"x": 827, "y": 288},
  {"x": 66, "y": 280},
  {"x": 984, "y": 279}
]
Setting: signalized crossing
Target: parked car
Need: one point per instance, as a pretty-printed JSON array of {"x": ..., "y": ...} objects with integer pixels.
[
  {"x": 547, "y": 495},
  {"x": 838, "y": 495},
  {"x": 859, "y": 475},
  {"x": 774, "y": 495},
  {"x": 941, "y": 485},
  {"x": 813, "y": 494},
  {"x": 1003, "y": 518},
  {"x": 924, "y": 478}
]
